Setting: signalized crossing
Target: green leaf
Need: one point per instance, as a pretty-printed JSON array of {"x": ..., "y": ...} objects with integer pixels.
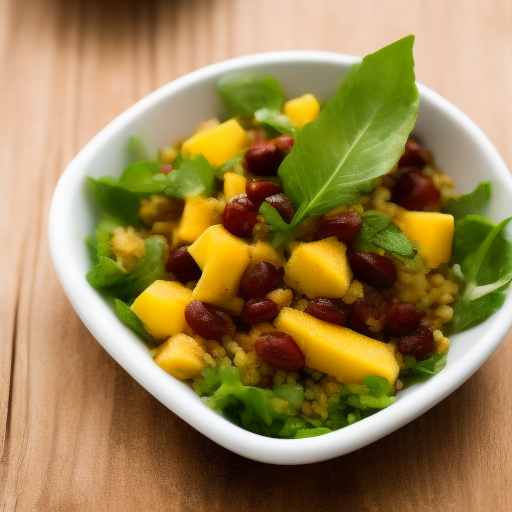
[
  {"x": 113, "y": 199},
  {"x": 137, "y": 150},
  {"x": 423, "y": 370},
  {"x": 474, "y": 203},
  {"x": 482, "y": 256},
  {"x": 131, "y": 320},
  {"x": 105, "y": 273},
  {"x": 108, "y": 276},
  {"x": 143, "y": 178},
  {"x": 379, "y": 232},
  {"x": 276, "y": 120},
  {"x": 194, "y": 177},
  {"x": 234, "y": 164},
  {"x": 359, "y": 135},
  {"x": 255, "y": 409},
  {"x": 244, "y": 93}
]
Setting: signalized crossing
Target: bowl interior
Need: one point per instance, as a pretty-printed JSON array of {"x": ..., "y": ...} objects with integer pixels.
[{"x": 172, "y": 113}]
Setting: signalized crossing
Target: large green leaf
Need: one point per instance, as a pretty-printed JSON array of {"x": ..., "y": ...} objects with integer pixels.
[{"x": 359, "y": 135}]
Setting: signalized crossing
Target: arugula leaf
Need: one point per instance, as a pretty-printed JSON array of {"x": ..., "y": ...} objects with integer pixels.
[
  {"x": 244, "y": 92},
  {"x": 137, "y": 150},
  {"x": 423, "y": 370},
  {"x": 194, "y": 177},
  {"x": 275, "y": 119},
  {"x": 482, "y": 255},
  {"x": 131, "y": 320},
  {"x": 474, "y": 203},
  {"x": 359, "y": 135},
  {"x": 379, "y": 232}
]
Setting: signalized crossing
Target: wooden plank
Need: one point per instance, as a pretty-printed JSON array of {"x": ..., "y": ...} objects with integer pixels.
[{"x": 76, "y": 432}]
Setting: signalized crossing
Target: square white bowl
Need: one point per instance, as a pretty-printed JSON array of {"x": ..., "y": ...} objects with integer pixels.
[{"x": 173, "y": 112}]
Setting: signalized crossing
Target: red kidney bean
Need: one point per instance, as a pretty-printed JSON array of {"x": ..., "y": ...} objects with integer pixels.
[
  {"x": 280, "y": 351},
  {"x": 364, "y": 309},
  {"x": 403, "y": 317},
  {"x": 284, "y": 144},
  {"x": 414, "y": 191},
  {"x": 209, "y": 321},
  {"x": 345, "y": 226},
  {"x": 283, "y": 205},
  {"x": 166, "y": 169},
  {"x": 414, "y": 155},
  {"x": 259, "y": 310},
  {"x": 258, "y": 191},
  {"x": 240, "y": 216},
  {"x": 183, "y": 266},
  {"x": 373, "y": 269},
  {"x": 260, "y": 280},
  {"x": 329, "y": 310},
  {"x": 419, "y": 344},
  {"x": 263, "y": 159}
]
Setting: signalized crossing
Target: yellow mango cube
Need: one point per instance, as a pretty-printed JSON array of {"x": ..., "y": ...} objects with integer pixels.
[
  {"x": 337, "y": 351},
  {"x": 263, "y": 251},
  {"x": 161, "y": 308},
  {"x": 199, "y": 214},
  {"x": 181, "y": 356},
  {"x": 217, "y": 144},
  {"x": 223, "y": 259},
  {"x": 319, "y": 269},
  {"x": 209, "y": 241},
  {"x": 433, "y": 230},
  {"x": 234, "y": 185},
  {"x": 303, "y": 110}
]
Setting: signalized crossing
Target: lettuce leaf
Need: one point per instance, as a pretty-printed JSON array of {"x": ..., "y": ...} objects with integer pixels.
[
  {"x": 131, "y": 320},
  {"x": 416, "y": 372}
]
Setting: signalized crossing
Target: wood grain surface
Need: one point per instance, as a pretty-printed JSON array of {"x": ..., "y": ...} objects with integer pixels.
[{"x": 76, "y": 432}]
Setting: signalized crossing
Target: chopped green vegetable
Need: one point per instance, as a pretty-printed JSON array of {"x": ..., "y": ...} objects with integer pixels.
[
  {"x": 277, "y": 413},
  {"x": 131, "y": 320},
  {"x": 379, "y": 232},
  {"x": 359, "y": 135},
  {"x": 482, "y": 257},
  {"x": 244, "y": 93},
  {"x": 474, "y": 203},
  {"x": 415, "y": 372}
]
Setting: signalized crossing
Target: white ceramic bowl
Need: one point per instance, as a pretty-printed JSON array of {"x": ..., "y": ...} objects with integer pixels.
[{"x": 172, "y": 112}]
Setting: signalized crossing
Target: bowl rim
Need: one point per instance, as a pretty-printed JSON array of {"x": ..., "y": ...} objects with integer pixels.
[{"x": 209, "y": 423}]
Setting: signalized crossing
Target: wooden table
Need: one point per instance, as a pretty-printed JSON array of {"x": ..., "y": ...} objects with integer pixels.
[{"x": 76, "y": 432}]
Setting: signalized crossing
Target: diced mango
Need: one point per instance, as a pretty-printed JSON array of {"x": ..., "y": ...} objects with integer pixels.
[
  {"x": 337, "y": 351},
  {"x": 199, "y": 214},
  {"x": 263, "y": 251},
  {"x": 234, "y": 185},
  {"x": 223, "y": 259},
  {"x": 161, "y": 308},
  {"x": 303, "y": 110},
  {"x": 319, "y": 269},
  {"x": 211, "y": 239},
  {"x": 181, "y": 356},
  {"x": 217, "y": 144},
  {"x": 433, "y": 230}
]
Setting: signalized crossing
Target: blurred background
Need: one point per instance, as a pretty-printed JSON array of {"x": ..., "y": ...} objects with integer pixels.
[{"x": 76, "y": 432}]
